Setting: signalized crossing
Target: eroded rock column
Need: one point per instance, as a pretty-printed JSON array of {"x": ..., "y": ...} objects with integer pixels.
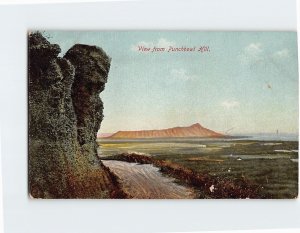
[
  {"x": 65, "y": 113},
  {"x": 52, "y": 130},
  {"x": 91, "y": 70}
]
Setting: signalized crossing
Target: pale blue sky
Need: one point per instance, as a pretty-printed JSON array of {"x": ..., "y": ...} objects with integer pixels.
[{"x": 248, "y": 81}]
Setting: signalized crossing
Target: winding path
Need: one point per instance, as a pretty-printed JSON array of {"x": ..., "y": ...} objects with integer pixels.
[{"x": 144, "y": 181}]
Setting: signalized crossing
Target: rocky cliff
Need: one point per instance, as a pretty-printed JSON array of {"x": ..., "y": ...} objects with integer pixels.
[
  {"x": 65, "y": 113},
  {"x": 195, "y": 130}
]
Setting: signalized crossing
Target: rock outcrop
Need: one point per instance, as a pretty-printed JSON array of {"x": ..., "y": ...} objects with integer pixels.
[
  {"x": 195, "y": 130},
  {"x": 65, "y": 113},
  {"x": 92, "y": 66}
]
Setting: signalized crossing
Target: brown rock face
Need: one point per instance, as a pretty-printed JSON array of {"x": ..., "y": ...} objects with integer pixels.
[
  {"x": 65, "y": 113},
  {"x": 195, "y": 130}
]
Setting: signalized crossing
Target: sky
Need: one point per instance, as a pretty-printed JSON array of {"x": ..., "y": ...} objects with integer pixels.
[{"x": 246, "y": 83}]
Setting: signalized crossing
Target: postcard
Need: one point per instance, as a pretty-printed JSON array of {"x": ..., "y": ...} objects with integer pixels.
[{"x": 162, "y": 115}]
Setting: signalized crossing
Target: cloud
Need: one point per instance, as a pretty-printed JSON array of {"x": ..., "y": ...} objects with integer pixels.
[
  {"x": 181, "y": 74},
  {"x": 230, "y": 104},
  {"x": 160, "y": 43},
  {"x": 164, "y": 43},
  {"x": 253, "y": 49},
  {"x": 253, "y": 52},
  {"x": 284, "y": 53}
]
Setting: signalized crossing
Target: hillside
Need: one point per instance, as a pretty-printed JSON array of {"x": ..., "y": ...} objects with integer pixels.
[{"x": 195, "y": 130}]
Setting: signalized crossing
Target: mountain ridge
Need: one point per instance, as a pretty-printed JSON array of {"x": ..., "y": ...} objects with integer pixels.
[{"x": 194, "y": 130}]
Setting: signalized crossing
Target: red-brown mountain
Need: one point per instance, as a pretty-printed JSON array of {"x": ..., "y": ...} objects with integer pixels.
[{"x": 195, "y": 130}]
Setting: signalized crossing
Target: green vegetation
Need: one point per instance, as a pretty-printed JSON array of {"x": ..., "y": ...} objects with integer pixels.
[{"x": 272, "y": 166}]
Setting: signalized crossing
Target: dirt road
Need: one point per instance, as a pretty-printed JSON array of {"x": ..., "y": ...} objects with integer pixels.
[{"x": 146, "y": 182}]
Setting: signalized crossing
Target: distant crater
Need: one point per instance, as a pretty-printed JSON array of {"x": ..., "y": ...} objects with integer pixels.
[{"x": 195, "y": 130}]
